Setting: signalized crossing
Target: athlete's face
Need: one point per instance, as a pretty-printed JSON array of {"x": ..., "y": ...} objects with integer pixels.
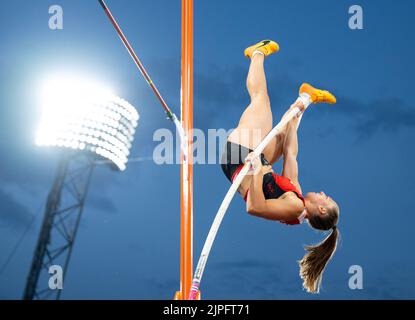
[{"x": 320, "y": 200}]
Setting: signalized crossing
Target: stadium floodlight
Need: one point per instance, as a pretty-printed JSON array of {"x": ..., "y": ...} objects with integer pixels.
[
  {"x": 80, "y": 115},
  {"x": 90, "y": 122}
]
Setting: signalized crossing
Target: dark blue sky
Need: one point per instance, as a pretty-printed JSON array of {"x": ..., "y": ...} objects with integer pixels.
[{"x": 359, "y": 151}]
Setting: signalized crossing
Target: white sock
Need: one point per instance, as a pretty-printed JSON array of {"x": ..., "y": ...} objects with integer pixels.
[
  {"x": 305, "y": 99},
  {"x": 255, "y": 52}
]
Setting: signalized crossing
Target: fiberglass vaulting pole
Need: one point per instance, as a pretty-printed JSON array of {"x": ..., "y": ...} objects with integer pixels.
[{"x": 186, "y": 172}]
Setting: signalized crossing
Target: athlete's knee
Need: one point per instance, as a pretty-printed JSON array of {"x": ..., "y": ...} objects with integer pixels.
[
  {"x": 256, "y": 90},
  {"x": 260, "y": 99}
]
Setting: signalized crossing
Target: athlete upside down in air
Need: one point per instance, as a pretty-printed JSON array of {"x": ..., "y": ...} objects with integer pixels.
[{"x": 279, "y": 197}]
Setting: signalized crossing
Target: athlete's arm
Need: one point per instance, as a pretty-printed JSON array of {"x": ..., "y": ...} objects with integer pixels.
[
  {"x": 255, "y": 197},
  {"x": 290, "y": 164},
  {"x": 255, "y": 200},
  {"x": 285, "y": 208},
  {"x": 282, "y": 209}
]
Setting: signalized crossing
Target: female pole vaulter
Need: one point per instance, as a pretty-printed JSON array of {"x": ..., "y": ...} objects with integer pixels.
[{"x": 269, "y": 195}]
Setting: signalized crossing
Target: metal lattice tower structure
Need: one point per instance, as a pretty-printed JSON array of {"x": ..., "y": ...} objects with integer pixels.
[
  {"x": 63, "y": 211},
  {"x": 87, "y": 125}
]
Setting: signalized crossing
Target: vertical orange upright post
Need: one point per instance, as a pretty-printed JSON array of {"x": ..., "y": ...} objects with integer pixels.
[{"x": 186, "y": 172}]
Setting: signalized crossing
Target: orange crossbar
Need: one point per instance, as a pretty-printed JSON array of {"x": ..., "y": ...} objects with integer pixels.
[{"x": 186, "y": 172}]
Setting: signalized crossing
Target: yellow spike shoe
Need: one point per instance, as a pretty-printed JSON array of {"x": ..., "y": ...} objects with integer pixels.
[
  {"x": 317, "y": 95},
  {"x": 267, "y": 47}
]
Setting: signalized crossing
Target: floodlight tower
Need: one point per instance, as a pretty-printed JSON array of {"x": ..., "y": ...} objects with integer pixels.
[{"x": 88, "y": 124}]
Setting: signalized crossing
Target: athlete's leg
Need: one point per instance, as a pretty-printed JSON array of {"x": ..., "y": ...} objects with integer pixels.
[
  {"x": 256, "y": 120},
  {"x": 308, "y": 94},
  {"x": 275, "y": 149}
]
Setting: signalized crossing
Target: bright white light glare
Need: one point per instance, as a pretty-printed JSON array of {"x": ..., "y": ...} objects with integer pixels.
[{"x": 80, "y": 115}]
